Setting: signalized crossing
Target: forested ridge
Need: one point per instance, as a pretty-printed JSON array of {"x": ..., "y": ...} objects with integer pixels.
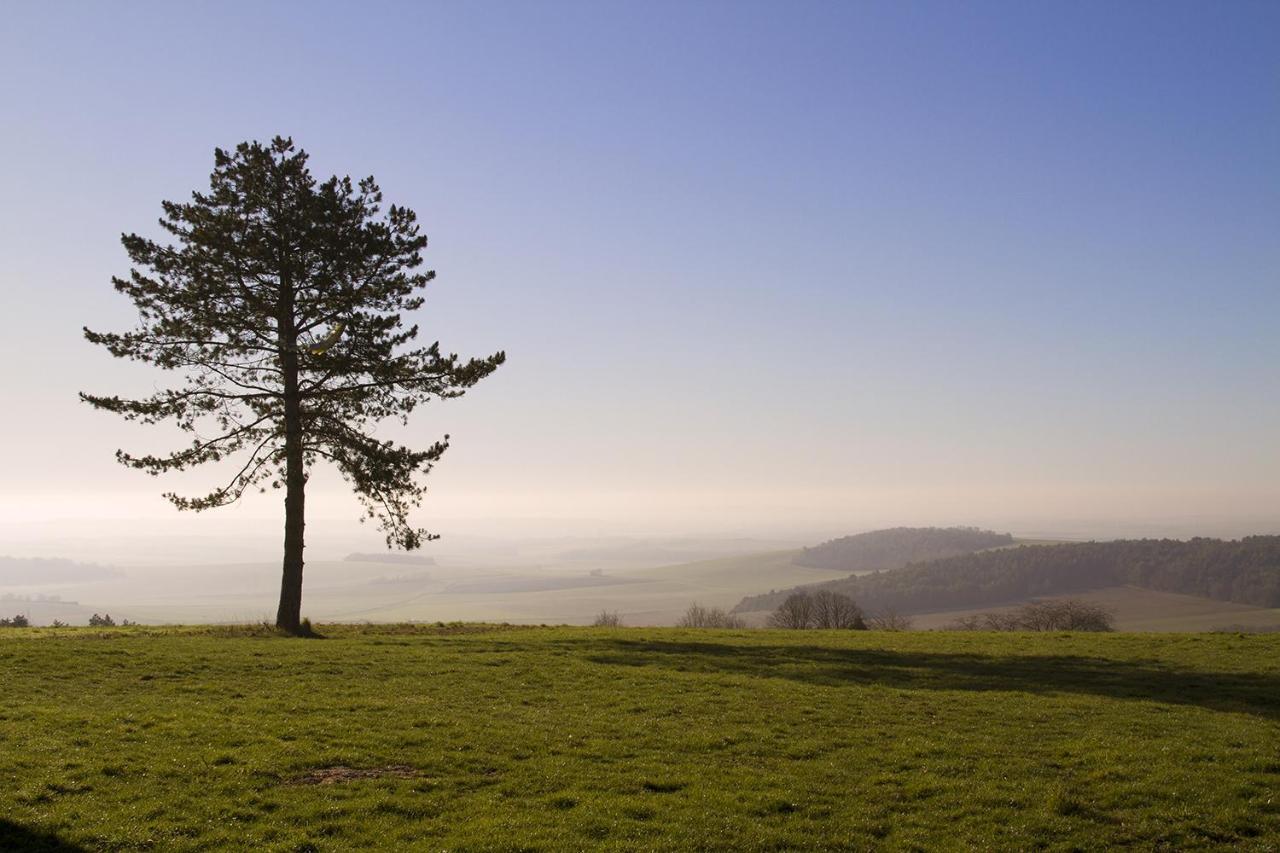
[
  {"x": 1245, "y": 571},
  {"x": 898, "y": 546}
]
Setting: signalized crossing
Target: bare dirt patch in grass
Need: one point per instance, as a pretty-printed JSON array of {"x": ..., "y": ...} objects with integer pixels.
[{"x": 336, "y": 774}]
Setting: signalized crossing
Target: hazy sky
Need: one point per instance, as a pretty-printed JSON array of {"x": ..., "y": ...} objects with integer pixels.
[{"x": 753, "y": 264}]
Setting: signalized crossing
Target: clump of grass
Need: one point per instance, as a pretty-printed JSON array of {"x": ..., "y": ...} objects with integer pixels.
[{"x": 1065, "y": 803}]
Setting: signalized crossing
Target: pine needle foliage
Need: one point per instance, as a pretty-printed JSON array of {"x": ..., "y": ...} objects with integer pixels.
[{"x": 279, "y": 305}]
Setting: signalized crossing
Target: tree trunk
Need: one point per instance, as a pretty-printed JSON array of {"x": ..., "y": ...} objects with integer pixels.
[{"x": 289, "y": 615}]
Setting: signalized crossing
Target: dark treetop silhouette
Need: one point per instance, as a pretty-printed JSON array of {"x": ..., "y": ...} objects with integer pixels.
[{"x": 280, "y": 307}]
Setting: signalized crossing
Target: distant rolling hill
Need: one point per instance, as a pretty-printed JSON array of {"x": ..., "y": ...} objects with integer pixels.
[
  {"x": 394, "y": 558},
  {"x": 862, "y": 553},
  {"x": 27, "y": 571},
  {"x": 898, "y": 546},
  {"x": 1242, "y": 572}
]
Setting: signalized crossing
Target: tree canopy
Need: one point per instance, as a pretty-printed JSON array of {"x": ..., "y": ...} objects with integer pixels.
[{"x": 280, "y": 305}]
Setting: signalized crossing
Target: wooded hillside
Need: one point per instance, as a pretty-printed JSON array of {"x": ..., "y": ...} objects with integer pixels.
[
  {"x": 898, "y": 546},
  {"x": 1246, "y": 571}
]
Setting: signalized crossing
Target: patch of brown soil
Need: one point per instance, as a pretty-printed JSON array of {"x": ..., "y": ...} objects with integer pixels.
[{"x": 333, "y": 775}]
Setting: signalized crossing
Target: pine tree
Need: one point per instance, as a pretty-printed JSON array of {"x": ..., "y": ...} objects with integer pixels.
[{"x": 279, "y": 305}]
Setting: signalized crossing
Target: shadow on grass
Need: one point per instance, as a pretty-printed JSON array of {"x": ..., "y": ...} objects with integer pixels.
[
  {"x": 1248, "y": 692},
  {"x": 16, "y": 837}
]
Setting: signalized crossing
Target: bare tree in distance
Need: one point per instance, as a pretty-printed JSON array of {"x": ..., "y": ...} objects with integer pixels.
[
  {"x": 796, "y": 611},
  {"x": 821, "y": 609},
  {"x": 889, "y": 620},
  {"x": 836, "y": 610},
  {"x": 698, "y": 616}
]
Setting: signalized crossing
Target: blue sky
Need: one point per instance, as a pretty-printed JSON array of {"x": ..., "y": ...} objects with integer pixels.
[{"x": 754, "y": 264}]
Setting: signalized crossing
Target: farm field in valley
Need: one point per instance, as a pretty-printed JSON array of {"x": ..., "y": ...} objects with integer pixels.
[
  {"x": 470, "y": 737},
  {"x": 1137, "y": 609},
  {"x": 528, "y": 588}
]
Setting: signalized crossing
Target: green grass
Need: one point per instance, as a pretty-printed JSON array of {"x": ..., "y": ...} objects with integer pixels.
[{"x": 570, "y": 738}]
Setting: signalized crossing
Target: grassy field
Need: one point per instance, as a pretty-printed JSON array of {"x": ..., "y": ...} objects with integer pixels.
[{"x": 568, "y": 738}]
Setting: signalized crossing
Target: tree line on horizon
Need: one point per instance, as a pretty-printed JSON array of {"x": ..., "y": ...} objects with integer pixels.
[{"x": 1063, "y": 614}]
